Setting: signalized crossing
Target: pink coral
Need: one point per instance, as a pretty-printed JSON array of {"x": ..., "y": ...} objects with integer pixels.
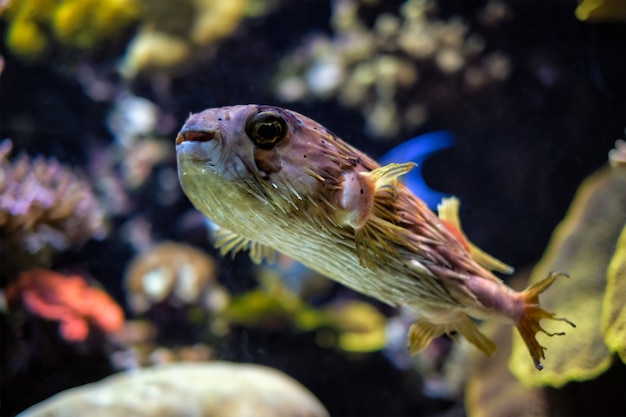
[
  {"x": 66, "y": 299},
  {"x": 44, "y": 207}
]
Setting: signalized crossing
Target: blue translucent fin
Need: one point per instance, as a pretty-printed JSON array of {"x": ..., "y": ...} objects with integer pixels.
[{"x": 418, "y": 150}]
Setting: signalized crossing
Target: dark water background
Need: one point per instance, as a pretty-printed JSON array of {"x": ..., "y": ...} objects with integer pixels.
[{"x": 522, "y": 149}]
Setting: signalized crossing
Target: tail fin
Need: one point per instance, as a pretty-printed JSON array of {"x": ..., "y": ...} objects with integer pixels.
[{"x": 528, "y": 324}]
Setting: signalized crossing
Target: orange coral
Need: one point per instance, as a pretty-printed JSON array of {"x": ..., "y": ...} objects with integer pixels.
[{"x": 67, "y": 299}]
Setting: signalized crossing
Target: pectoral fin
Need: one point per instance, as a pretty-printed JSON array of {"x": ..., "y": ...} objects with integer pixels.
[
  {"x": 229, "y": 242},
  {"x": 448, "y": 211},
  {"x": 366, "y": 198}
]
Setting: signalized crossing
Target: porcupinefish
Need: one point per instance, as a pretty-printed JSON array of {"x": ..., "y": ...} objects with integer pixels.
[{"x": 275, "y": 180}]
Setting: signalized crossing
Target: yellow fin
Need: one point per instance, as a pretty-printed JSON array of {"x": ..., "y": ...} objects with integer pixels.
[
  {"x": 377, "y": 238},
  {"x": 448, "y": 211},
  {"x": 227, "y": 241},
  {"x": 422, "y": 332}
]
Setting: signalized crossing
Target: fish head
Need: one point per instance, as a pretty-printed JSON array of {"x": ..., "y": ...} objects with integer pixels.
[{"x": 239, "y": 156}]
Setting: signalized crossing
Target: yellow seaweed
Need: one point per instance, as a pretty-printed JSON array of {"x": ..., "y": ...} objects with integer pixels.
[
  {"x": 614, "y": 313},
  {"x": 581, "y": 245}
]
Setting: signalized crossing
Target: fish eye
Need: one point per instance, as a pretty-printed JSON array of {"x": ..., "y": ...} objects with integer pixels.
[{"x": 266, "y": 129}]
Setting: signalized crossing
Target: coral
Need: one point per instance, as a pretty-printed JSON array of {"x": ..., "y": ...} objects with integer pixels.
[
  {"x": 168, "y": 35},
  {"x": 66, "y": 299},
  {"x": 617, "y": 155},
  {"x": 176, "y": 272},
  {"x": 35, "y": 25},
  {"x": 586, "y": 245},
  {"x": 380, "y": 69},
  {"x": 134, "y": 123},
  {"x": 44, "y": 207}
]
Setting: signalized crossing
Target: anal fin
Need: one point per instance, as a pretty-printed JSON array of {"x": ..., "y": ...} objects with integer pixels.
[
  {"x": 422, "y": 332},
  {"x": 229, "y": 242}
]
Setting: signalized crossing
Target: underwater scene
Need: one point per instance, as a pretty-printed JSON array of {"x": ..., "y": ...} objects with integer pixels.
[{"x": 313, "y": 208}]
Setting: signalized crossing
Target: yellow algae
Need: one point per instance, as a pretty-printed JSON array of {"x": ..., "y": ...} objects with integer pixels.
[
  {"x": 154, "y": 50},
  {"x": 34, "y": 25},
  {"x": 601, "y": 10},
  {"x": 582, "y": 245},
  {"x": 85, "y": 23},
  {"x": 361, "y": 327},
  {"x": 25, "y": 38},
  {"x": 216, "y": 19},
  {"x": 172, "y": 36},
  {"x": 614, "y": 312},
  {"x": 271, "y": 303},
  {"x": 352, "y": 326}
]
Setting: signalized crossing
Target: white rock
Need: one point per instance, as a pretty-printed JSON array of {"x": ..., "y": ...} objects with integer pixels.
[{"x": 218, "y": 389}]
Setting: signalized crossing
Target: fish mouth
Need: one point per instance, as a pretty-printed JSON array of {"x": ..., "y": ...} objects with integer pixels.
[
  {"x": 195, "y": 136},
  {"x": 199, "y": 145}
]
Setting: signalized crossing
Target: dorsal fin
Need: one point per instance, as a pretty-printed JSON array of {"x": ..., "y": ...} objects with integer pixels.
[
  {"x": 448, "y": 211},
  {"x": 229, "y": 242}
]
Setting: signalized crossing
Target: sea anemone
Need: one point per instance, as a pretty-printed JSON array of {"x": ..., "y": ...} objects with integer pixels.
[{"x": 176, "y": 272}]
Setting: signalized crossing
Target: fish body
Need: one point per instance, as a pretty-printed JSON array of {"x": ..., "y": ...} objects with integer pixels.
[{"x": 275, "y": 180}]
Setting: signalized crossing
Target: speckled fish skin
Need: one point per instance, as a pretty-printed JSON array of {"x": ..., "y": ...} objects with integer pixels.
[{"x": 276, "y": 178}]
